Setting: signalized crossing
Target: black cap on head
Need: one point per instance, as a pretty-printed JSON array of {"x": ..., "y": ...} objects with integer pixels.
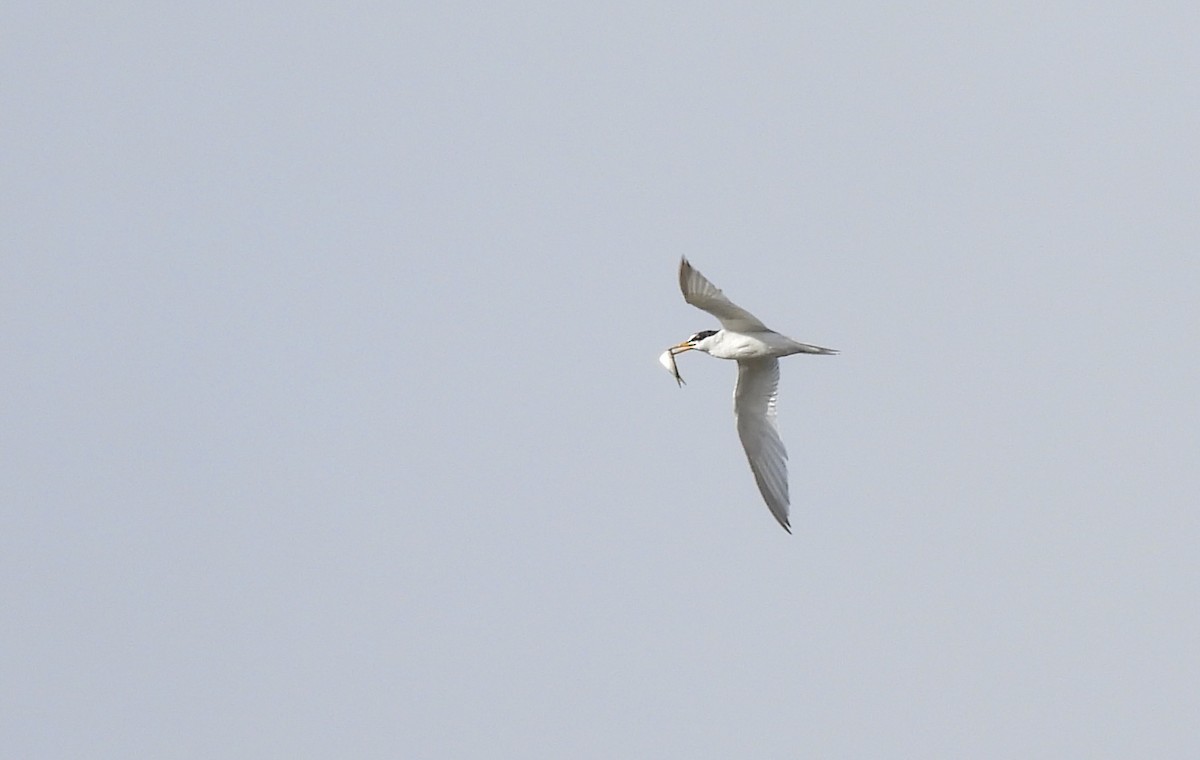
[{"x": 701, "y": 336}]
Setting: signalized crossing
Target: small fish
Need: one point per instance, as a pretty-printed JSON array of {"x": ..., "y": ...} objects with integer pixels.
[{"x": 667, "y": 359}]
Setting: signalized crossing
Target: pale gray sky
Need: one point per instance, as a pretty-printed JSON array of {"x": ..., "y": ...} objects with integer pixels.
[{"x": 333, "y": 426}]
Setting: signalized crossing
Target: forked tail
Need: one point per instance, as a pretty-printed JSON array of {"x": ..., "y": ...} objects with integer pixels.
[{"x": 804, "y": 348}]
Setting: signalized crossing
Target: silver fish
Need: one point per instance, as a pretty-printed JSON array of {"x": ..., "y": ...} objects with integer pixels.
[{"x": 667, "y": 359}]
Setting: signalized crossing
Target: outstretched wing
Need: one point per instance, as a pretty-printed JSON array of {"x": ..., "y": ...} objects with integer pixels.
[
  {"x": 754, "y": 408},
  {"x": 702, "y": 294}
]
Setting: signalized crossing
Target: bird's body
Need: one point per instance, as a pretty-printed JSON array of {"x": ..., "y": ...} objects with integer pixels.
[
  {"x": 756, "y": 348},
  {"x": 726, "y": 344}
]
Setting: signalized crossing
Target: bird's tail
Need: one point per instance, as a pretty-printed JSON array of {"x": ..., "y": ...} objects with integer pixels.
[{"x": 804, "y": 348}]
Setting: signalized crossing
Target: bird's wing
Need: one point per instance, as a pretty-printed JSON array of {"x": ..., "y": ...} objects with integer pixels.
[
  {"x": 754, "y": 408},
  {"x": 702, "y": 294}
]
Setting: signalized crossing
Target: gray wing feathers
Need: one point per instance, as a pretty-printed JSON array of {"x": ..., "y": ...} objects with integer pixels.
[
  {"x": 754, "y": 408},
  {"x": 702, "y": 294}
]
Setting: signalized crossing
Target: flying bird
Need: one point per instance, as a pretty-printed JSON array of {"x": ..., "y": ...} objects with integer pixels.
[{"x": 756, "y": 349}]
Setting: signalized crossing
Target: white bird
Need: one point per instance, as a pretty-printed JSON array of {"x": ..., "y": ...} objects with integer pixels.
[{"x": 756, "y": 349}]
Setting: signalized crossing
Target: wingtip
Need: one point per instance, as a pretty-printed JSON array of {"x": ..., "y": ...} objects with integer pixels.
[
  {"x": 783, "y": 520},
  {"x": 685, "y": 270}
]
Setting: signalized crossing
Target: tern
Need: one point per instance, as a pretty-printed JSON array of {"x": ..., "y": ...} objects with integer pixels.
[{"x": 756, "y": 349}]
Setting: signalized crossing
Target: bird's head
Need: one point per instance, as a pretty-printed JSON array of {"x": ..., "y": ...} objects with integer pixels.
[{"x": 701, "y": 341}]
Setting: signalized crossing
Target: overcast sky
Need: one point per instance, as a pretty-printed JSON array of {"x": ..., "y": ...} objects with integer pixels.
[{"x": 332, "y": 424}]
